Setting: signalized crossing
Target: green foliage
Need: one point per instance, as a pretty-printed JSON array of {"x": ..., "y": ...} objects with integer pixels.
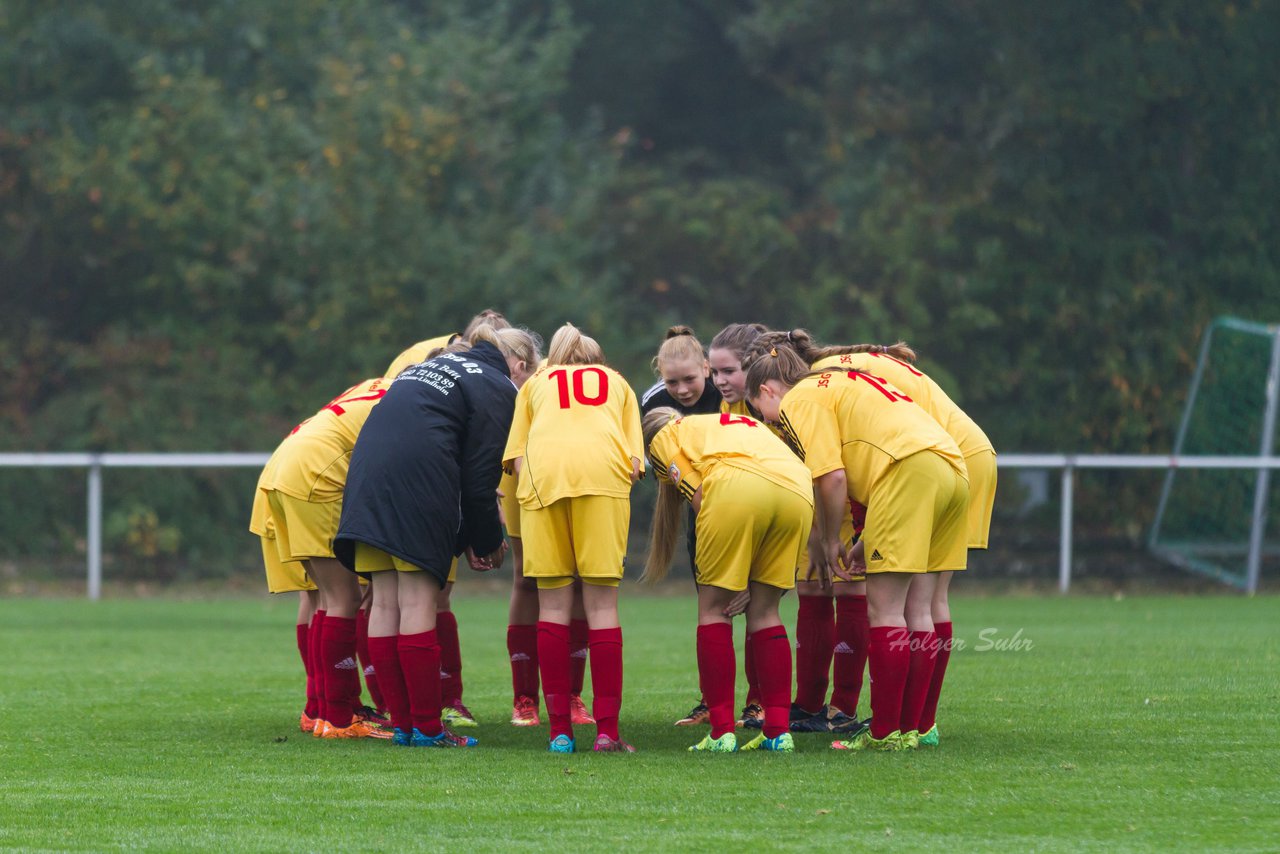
[{"x": 216, "y": 215}]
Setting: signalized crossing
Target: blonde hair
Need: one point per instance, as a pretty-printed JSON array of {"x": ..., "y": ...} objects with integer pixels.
[
  {"x": 490, "y": 318},
  {"x": 570, "y": 347},
  {"x": 519, "y": 343},
  {"x": 680, "y": 345},
  {"x": 664, "y": 530},
  {"x": 806, "y": 348}
]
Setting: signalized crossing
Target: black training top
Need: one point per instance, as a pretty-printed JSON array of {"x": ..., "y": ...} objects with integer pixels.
[
  {"x": 424, "y": 473},
  {"x": 657, "y": 395}
]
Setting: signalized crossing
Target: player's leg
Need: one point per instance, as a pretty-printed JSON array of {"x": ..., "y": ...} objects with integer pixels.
[
  {"x": 555, "y": 604},
  {"x": 717, "y": 663},
  {"x": 773, "y": 657},
  {"x": 852, "y": 631},
  {"x": 455, "y": 712},
  {"x": 578, "y": 641},
  {"x": 923, "y": 653},
  {"x": 384, "y": 636},
  {"x": 599, "y": 553},
  {"x": 341, "y": 593},
  {"x": 377, "y": 707},
  {"x": 815, "y": 644},
  {"x": 522, "y": 640},
  {"x": 419, "y": 649},
  {"x": 307, "y": 600}
]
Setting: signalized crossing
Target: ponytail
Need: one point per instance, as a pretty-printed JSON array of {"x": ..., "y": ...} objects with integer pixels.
[
  {"x": 570, "y": 347},
  {"x": 667, "y": 515}
]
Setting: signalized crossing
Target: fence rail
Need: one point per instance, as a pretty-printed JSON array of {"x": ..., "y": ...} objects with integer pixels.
[{"x": 1066, "y": 463}]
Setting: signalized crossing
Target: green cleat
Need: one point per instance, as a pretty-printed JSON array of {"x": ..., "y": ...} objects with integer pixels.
[
  {"x": 864, "y": 741},
  {"x": 779, "y": 744},
  {"x": 930, "y": 738},
  {"x": 455, "y": 714},
  {"x": 727, "y": 743},
  {"x": 911, "y": 739}
]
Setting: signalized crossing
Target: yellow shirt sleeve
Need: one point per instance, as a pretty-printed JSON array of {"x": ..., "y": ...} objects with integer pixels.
[
  {"x": 518, "y": 437},
  {"x": 632, "y": 432},
  {"x": 814, "y": 429}
]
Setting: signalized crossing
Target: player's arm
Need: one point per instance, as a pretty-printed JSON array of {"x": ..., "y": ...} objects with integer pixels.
[
  {"x": 488, "y": 422},
  {"x": 631, "y": 429}
]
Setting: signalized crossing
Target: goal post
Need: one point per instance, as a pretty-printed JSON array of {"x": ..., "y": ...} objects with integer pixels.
[{"x": 1215, "y": 522}]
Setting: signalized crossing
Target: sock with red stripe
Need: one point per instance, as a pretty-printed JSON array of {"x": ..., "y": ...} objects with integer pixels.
[
  {"x": 889, "y": 657},
  {"x": 577, "y": 655},
  {"x": 522, "y": 647},
  {"x": 852, "y": 631},
  {"x": 314, "y": 636},
  {"x": 303, "y": 634},
  {"x": 341, "y": 672},
  {"x": 924, "y": 653},
  {"x": 385, "y": 655},
  {"x": 553, "y": 666},
  {"x": 450, "y": 658},
  {"x": 749, "y": 670},
  {"x": 366, "y": 661},
  {"x": 606, "y": 679},
  {"x": 773, "y": 666},
  {"x": 420, "y": 662},
  {"x": 716, "y": 668},
  {"x": 929, "y": 713},
  {"x": 815, "y": 639}
]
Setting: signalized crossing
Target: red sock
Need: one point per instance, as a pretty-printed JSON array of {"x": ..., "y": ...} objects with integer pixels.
[
  {"x": 341, "y": 673},
  {"x": 716, "y": 668},
  {"x": 815, "y": 634},
  {"x": 924, "y": 652},
  {"x": 366, "y": 661},
  {"x": 929, "y": 714},
  {"x": 577, "y": 655},
  {"x": 773, "y": 666},
  {"x": 606, "y": 679},
  {"x": 553, "y": 665},
  {"x": 420, "y": 662},
  {"x": 852, "y": 630},
  {"x": 522, "y": 646},
  {"x": 385, "y": 655},
  {"x": 303, "y": 632},
  {"x": 314, "y": 636},
  {"x": 749, "y": 670},
  {"x": 450, "y": 658},
  {"x": 890, "y": 657}
]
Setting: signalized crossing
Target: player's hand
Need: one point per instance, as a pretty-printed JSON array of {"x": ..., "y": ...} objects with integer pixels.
[
  {"x": 636, "y": 472},
  {"x": 738, "y": 604},
  {"x": 852, "y": 562},
  {"x": 490, "y": 561}
]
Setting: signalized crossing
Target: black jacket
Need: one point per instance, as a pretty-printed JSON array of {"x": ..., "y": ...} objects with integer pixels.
[{"x": 424, "y": 473}]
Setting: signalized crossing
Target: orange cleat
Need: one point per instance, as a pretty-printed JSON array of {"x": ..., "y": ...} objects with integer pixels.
[
  {"x": 578, "y": 713},
  {"x": 525, "y": 712},
  {"x": 358, "y": 729}
]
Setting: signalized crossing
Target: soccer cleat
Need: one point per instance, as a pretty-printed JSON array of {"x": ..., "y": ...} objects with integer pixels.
[
  {"x": 864, "y": 741},
  {"x": 358, "y": 729},
  {"x": 698, "y": 715},
  {"x": 605, "y": 744},
  {"x": 561, "y": 744},
  {"x": 372, "y": 715},
  {"x": 910, "y": 739},
  {"x": 752, "y": 716},
  {"x": 402, "y": 737},
  {"x": 814, "y": 722},
  {"x": 929, "y": 738},
  {"x": 307, "y": 724},
  {"x": 778, "y": 744},
  {"x": 456, "y": 714},
  {"x": 318, "y": 728},
  {"x": 727, "y": 743},
  {"x": 578, "y": 714},
  {"x": 444, "y": 739},
  {"x": 525, "y": 712},
  {"x": 798, "y": 715}
]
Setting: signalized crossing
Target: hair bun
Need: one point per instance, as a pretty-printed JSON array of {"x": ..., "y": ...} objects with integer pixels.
[{"x": 677, "y": 331}]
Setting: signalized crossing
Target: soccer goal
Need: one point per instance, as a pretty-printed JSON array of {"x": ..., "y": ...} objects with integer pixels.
[{"x": 1216, "y": 521}]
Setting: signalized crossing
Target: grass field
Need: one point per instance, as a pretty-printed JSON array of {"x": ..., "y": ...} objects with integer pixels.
[{"x": 1103, "y": 724}]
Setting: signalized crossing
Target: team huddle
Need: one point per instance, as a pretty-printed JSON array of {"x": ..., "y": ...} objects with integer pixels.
[{"x": 842, "y": 472}]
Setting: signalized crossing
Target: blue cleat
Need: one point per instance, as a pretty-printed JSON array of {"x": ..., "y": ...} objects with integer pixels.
[
  {"x": 401, "y": 737},
  {"x": 561, "y": 744},
  {"x": 444, "y": 739}
]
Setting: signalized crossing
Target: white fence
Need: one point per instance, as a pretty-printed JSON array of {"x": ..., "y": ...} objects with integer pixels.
[{"x": 1066, "y": 463}]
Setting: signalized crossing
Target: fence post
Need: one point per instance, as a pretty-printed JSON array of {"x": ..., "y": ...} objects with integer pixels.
[
  {"x": 95, "y": 529},
  {"x": 1064, "y": 554}
]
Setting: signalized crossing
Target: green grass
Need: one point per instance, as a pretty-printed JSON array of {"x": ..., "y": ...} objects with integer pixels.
[{"x": 1136, "y": 724}]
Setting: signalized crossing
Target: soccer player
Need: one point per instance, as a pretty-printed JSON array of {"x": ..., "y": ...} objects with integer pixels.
[
  {"x": 522, "y": 628},
  {"x": 865, "y": 440},
  {"x": 422, "y": 489},
  {"x": 896, "y": 363},
  {"x": 303, "y": 487},
  {"x": 455, "y": 711},
  {"x": 753, "y": 502},
  {"x": 286, "y": 577},
  {"x": 576, "y": 447},
  {"x": 683, "y": 373}
]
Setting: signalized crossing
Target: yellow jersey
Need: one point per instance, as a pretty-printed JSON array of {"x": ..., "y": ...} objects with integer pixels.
[
  {"x": 417, "y": 353},
  {"x": 260, "y": 521},
  {"x": 923, "y": 390},
  {"x": 690, "y": 449},
  {"x": 860, "y": 423},
  {"x": 577, "y": 427},
  {"x": 311, "y": 463}
]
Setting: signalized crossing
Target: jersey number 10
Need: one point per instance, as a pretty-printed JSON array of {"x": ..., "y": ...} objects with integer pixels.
[{"x": 561, "y": 377}]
